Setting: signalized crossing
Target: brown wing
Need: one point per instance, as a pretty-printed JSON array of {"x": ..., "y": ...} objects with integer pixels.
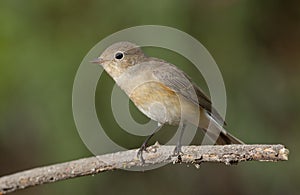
[
  {"x": 205, "y": 102},
  {"x": 181, "y": 83}
]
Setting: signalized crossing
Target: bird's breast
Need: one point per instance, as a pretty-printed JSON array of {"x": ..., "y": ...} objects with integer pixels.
[{"x": 157, "y": 101}]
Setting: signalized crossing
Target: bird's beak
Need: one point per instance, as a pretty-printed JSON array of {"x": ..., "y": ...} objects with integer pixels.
[{"x": 97, "y": 61}]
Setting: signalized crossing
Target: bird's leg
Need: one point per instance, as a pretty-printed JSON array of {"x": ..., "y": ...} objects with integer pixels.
[
  {"x": 177, "y": 151},
  {"x": 144, "y": 145}
]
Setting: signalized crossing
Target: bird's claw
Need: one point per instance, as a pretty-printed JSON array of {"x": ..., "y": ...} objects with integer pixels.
[
  {"x": 140, "y": 153},
  {"x": 177, "y": 151}
]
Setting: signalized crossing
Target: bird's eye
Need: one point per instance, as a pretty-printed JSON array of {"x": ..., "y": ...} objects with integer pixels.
[{"x": 119, "y": 55}]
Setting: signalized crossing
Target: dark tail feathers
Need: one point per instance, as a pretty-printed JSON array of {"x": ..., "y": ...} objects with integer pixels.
[{"x": 227, "y": 138}]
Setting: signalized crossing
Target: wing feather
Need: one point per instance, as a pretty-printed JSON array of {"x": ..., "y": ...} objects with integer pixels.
[{"x": 182, "y": 84}]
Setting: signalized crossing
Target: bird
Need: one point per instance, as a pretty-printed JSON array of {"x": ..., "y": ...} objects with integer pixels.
[{"x": 162, "y": 92}]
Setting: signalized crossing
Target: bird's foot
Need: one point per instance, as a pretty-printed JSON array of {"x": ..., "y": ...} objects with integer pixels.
[
  {"x": 140, "y": 152},
  {"x": 177, "y": 151}
]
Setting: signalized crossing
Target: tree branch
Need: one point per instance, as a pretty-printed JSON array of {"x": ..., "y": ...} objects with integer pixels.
[{"x": 157, "y": 154}]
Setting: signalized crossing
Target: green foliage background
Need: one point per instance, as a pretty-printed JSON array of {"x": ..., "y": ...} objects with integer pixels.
[{"x": 255, "y": 43}]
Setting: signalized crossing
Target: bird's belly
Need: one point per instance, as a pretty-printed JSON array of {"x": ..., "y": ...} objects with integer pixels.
[{"x": 157, "y": 102}]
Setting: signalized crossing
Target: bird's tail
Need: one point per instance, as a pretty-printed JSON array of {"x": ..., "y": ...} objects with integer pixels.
[
  {"x": 227, "y": 138},
  {"x": 217, "y": 134},
  {"x": 220, "y": 138}
]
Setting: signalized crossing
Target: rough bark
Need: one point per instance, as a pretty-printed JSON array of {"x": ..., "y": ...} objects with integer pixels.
[{"x": 156, "y": 155}]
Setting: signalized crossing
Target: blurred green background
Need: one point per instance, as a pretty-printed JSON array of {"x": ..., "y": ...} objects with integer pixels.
[{"x": 255, "y": 43}]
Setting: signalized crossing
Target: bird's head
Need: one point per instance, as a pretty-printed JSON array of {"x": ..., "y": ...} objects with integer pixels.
[{"x": 117, "y": 58}]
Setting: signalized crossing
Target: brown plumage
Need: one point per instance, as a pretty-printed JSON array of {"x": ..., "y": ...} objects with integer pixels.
[{"x": 161, "y": 91}]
